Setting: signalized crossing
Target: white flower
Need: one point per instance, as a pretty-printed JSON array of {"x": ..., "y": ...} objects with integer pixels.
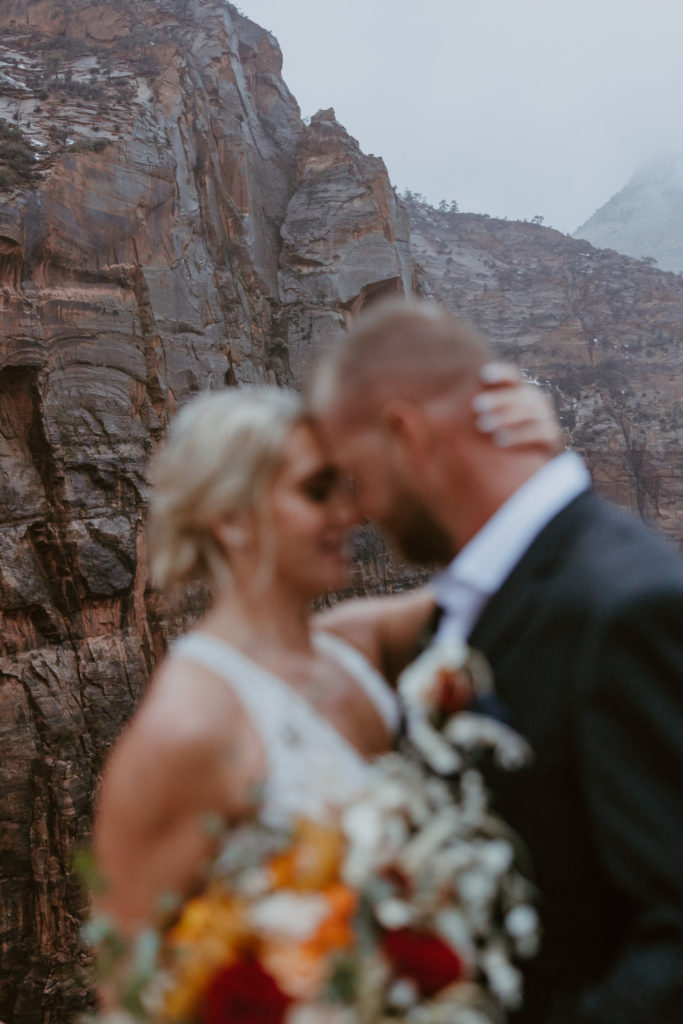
[
  {"x": 522, "y": 924},
  {"x": 290, "y": 915},
  {"x": 374, "y": 837},
  {"x": 453, "y": 926},
  {"x": 437, "y": 752},
  {"x": 469, "y": 729},
  {"x": 504, "y": 979},
  {"x": 417, "y": 853},
  {"x": 255, "y": 882},
  {"x": 497, "y": 856},
  {"x": 417, "y": 683},
  {"x": 477, "y": 889},
  {"x": 473, "y": 798},
  {"x": 457, "y": 857},
  {"x": 451, "y": 667},
  {"x": 363, "y": 825},
  {"x": 394, "y": 913},
  {"x": 403, "y": 994}
]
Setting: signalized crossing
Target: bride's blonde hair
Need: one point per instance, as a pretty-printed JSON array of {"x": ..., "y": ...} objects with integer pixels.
[{"x": 222, "y": 451}]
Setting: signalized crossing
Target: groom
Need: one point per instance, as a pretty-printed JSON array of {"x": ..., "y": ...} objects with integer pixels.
[{"x": 579, "y": 609}]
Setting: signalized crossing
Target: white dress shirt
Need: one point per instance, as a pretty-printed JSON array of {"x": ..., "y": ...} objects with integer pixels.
[{"x": 483, "y": 565}]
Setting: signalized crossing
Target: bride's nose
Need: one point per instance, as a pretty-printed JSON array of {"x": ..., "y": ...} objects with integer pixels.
[{"x": 345, "y": 503}]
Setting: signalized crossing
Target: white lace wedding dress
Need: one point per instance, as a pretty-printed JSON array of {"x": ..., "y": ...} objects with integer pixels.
[{"x": 310, "y": 766}]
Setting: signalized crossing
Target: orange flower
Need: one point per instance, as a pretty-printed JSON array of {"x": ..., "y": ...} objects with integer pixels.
[
  {"x": 302, "y": 969},
  {"x": 336, "y": 931},
  {"x": 215, "y": 930},
  {"x": 313, "y": 861},
  {"x": 298, "y": 970},
  {"x": 210, "y": 934}
]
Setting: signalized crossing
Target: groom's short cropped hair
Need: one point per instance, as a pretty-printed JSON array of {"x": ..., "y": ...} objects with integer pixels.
[{"x": 406, "y": 347}]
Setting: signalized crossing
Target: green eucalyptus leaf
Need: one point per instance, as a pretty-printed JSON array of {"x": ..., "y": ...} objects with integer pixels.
[{"x": 85, "y": 867}]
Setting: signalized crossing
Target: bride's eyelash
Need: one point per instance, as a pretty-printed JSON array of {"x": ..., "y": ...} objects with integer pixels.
[
  {"x": 319, "y": 487},
  {"x": 318, "y": 492}
]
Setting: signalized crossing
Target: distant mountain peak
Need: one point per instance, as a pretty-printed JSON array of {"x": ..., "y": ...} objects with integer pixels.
[{"x": 645, "y": 218}]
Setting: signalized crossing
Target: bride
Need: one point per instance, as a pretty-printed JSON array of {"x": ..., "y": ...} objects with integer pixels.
[{"x": 260, "y": 709}]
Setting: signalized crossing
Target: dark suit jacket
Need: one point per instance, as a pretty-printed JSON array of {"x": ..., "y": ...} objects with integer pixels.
[{"x": 586, "y": 642}]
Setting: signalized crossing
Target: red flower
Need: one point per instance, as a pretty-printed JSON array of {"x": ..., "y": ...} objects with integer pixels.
[
  {"x": 425, "y": 959},
  {"x": 455, "y": 691},
  {"x": 243, "y": 993}
]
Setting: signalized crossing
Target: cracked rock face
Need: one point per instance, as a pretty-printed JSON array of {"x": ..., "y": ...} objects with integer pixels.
[{"x": 173, "y": 231}]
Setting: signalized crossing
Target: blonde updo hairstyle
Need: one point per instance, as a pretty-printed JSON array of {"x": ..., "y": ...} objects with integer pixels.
[{"x": 222, "y": 451}]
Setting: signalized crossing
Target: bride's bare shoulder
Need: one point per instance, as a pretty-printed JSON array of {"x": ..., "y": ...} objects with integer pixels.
[
  {"x": 385, "y": 629},
  {"x": 186, "y": 756},
  {"x": 186, "y": 701},
  {"x": 188, "y": 726}
]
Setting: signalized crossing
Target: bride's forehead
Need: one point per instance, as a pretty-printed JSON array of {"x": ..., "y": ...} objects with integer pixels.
[
  {"x": 304, "y": 449},
  {"x": 303, "y": 437}
]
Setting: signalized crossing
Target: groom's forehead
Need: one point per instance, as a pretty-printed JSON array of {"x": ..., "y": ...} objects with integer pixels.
[
  {"x": 359, "y": 452},
  {"x": 340, "y": 416}
]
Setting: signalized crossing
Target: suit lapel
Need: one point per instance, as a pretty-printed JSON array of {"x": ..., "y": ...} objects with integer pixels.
[{"x": 498, "y": 626}]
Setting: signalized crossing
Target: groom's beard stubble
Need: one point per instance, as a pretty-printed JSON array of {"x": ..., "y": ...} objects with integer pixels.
[{"x": 415, "y": 531}]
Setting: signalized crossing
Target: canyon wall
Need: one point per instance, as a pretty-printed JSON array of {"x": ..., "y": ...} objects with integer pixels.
[{"x": 177, "y": 227}]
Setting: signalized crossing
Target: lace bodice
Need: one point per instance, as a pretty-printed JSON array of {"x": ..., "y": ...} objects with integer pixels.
[{"x": 310, "y": 766}]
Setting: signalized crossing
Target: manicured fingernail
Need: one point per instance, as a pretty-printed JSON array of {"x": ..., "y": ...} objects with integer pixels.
[
  {"x": 487, "y": 423},
  {"x": 483, "y": 402},
  {"x": 502, "y": 438},
  {"x": 491, "y": 373}
]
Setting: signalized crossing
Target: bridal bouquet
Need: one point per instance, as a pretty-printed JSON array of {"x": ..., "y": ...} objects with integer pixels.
[{"x": 409, "y": 904}]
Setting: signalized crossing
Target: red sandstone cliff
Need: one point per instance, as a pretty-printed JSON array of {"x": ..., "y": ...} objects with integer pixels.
[{"x": 173, "y": 230}]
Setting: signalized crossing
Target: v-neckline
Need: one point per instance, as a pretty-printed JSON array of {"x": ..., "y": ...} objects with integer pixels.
[{"x": 309, "y": 708}]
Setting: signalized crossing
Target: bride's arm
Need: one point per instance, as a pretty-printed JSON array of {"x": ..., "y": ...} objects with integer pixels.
[
  {"x": 387, "y": 630},
  {"x": 171, "y": 773}
]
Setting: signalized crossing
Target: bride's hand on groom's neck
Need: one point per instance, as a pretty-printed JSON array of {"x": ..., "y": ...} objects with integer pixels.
[{"x": 516, "y": 413}]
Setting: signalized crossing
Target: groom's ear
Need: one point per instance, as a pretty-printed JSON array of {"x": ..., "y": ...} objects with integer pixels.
[{"x": 407, "y": 426}]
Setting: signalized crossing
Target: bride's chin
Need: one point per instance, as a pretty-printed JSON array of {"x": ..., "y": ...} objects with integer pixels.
[{"x": 339, "y": 578}]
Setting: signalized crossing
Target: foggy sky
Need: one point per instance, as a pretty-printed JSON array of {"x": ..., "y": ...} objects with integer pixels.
[{"x": 511, "y": 107}]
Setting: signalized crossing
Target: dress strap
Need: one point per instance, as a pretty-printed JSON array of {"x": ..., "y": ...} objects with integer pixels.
[
  {"x": 364, "y": 673},
  {"x": 237, "y": 671}
]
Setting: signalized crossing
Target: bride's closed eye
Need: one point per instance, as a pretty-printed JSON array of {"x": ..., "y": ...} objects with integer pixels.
[{"x": 320, "y": 486}]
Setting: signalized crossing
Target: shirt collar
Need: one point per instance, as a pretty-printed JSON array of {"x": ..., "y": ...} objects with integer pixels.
[{"x": 489, "y": 557}]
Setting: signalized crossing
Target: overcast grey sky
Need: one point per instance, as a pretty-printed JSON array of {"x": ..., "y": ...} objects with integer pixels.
[{"x": 511, "y": 107}]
